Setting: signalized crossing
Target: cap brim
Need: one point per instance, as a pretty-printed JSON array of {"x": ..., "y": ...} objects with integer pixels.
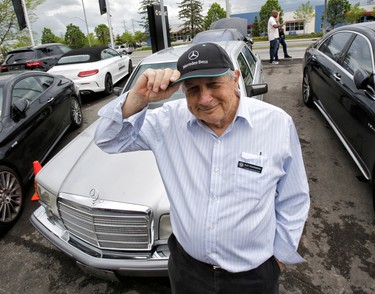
[{"x": 204, "y": 73}]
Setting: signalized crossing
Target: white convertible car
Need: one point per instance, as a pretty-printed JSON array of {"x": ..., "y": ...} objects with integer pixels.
[{"x": 99, "y": 209}]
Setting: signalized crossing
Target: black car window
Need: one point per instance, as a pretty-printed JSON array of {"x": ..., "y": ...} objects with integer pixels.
[
  {"x": 250, "y": 58},
  {"x": 333, "y": 47},
  {"x": 21, "y": 56},
  {"x": 245, "y": 70},
  {"x": 28, "y": 88},
  {"x": 359, "y": 56}
]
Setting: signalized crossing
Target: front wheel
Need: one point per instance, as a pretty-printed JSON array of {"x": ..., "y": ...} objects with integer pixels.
[
  {"x": 76, "y": 116},
  {"x": 307, "y": 93},
  {"x": 108, "y": 84},
  {"x": 11, "y": 198}
]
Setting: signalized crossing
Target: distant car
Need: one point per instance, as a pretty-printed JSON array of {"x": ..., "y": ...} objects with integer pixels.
[
  {"x": 121, "y": 49},
  {"x": 36, "y": 109},
  {"x": 339, "y": 80},
  {"x": 115, "y": 218},
  {"x": 93, "y": 69},
  {"x": 129, "y": 50},
  {"x": 41, "y": 57}
]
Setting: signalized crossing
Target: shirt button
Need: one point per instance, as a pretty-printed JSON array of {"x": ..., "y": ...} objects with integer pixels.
[
  {"x": 214, "y": 198},
  {"x": 217, "y": 169}
]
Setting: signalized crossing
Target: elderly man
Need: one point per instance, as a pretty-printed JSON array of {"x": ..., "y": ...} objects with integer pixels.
[
  {"x": 232, "y": 168},
  {"x": 273, "y": 36}
]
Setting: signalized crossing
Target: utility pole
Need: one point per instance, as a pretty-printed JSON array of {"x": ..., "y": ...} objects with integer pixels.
[
  {"x": 87, "y": 26},
  {"x": 28, "y": 23},
  {"x": 109, "y": 23}
]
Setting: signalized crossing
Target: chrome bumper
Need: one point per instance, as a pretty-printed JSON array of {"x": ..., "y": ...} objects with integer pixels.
[{"x": 156, "y": 265}]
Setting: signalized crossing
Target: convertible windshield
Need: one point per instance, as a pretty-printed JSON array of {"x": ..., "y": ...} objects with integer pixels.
[{"x": 178, "y": 95}]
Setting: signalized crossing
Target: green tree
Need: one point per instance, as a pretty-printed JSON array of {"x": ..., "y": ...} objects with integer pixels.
[
  {"x": 9, "y": 29},
  {"x": 140, "y": 37},
  {"x": 265, "y": 13},
  {"x": 102, "y": 33},
  {"x": 355, "y": 13},
  {"x": 128, "y": 39},
  {"x": 306, "y": 12},
  {"x": 215, "y": 13},
  {"x": 190, "y": 11},
  {"x": 74, "y": 37},
  {"x": 336, "y": 12},
  {"x": 255, "y": 32},
  {"x": 142, "y": 10},
  {"x": 49, "y": 37}
]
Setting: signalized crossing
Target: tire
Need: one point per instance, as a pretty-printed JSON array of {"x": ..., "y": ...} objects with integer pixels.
[
  {"x": 11, "y": 198},
  {"x": 76, "y": 116},
  {"x": 108, "y": 84},
  {"x": 130, "y": 67},
  {"x": 307, "y": 93}
]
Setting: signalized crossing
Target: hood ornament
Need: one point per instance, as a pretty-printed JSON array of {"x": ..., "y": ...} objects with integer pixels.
[{"x": 94, "y": 195}]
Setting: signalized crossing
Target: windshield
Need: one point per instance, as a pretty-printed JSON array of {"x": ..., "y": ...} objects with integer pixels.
[
  {"x": 139, "y": 71},
  {"x": 20, "y": 56}
]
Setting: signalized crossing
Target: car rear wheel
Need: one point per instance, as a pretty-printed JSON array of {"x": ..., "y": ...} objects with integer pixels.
[
  {"x": 307, "y": 93},
  {"x": 11, "y": 198},
  {"x": 76, "y": 116},
  {"x": 108, "y": 85}
]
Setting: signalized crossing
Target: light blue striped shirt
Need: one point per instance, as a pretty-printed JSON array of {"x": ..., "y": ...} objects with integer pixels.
[{"x": 235, "y": 200}]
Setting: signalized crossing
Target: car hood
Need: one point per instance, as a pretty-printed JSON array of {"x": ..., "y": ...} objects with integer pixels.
[{"x": 131, "y": 177}]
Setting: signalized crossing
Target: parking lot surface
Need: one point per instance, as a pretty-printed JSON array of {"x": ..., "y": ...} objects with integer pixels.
[{"x": 338, "y": 241}]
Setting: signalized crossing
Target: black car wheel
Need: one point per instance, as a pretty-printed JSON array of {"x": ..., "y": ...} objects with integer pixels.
[
  {"x": 307, "y": 93},
  {"x": 11, "y": 197},
  {"x": 108, "y": 84},
  {"x": 130, "y": 68},
  {"x": 75, "y": 113}
]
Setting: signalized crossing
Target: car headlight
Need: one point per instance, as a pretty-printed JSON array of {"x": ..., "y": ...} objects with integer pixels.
[
  {"x": 48, "y": 199},
  {"x": 165, "y": 227}
]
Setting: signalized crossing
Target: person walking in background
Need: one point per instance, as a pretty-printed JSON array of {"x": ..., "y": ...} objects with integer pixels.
[
  {"x": 283, "y": 42},
  {"x": 232, "y": 168},
  {"x": 273, "y": 36}
]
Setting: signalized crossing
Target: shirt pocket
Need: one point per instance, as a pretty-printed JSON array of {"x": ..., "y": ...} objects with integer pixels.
[{"x": 249, "y": 175}]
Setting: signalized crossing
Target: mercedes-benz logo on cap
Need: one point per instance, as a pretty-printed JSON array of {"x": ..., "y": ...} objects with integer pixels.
[{"x": 193, "y": 55}]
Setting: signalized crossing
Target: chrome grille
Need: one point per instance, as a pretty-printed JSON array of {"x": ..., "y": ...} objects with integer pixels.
[{"x": 107, "y": 228}]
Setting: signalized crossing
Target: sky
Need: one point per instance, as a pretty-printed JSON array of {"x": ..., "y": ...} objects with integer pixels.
[{"x": 56, "y": 15}]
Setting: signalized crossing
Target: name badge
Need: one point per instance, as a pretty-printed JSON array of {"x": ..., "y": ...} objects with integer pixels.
[{"x": 249, "y": 166}]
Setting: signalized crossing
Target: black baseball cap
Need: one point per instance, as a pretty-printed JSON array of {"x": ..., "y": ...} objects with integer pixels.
[{"x": 203, "y": 60}]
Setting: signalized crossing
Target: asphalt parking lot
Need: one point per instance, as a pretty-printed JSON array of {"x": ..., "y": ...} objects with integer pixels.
[{"x": 338, "y": 241}]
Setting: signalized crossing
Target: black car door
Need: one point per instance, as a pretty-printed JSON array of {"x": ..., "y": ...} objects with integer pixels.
[
  {"x": 355, "y": 113},
  {"x": 326, "y": 72},
  {"x": 34, "y": 129}
]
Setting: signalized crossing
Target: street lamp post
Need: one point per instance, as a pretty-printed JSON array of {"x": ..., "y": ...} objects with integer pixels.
[{"x": 87, "y": 27}]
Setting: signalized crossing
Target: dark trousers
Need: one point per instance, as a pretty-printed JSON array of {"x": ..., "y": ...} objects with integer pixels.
[
  {"x": 274, "y": 48},
  {"x": 190, "y": 276},
  {"x": 283, "y": 43}
]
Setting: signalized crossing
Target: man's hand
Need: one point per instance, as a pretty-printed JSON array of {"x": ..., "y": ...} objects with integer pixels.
[
  {"x": 281, "y": 265},
  {"x": 153, "y": 85}
]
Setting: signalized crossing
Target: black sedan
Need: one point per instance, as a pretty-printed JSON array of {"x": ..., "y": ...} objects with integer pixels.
[
  {"x": 36, "y": 108},
  {"x": 339, "y": 79}
]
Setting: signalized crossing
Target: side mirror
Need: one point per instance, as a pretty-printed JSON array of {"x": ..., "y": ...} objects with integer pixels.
[
  {"x": 256, "y": 89},
  {"x": 361, "y": 79},
  {"x": 20, "y": 107},
  {"x": 117, "y": 91}
]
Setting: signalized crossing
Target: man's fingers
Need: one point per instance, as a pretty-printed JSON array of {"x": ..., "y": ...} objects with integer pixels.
[{"x": 160, "y": 79}]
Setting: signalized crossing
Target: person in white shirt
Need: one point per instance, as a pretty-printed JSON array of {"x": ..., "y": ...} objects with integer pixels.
[
  {"x": 232, "y": 168},
  {"x": 273, "y": 36}
]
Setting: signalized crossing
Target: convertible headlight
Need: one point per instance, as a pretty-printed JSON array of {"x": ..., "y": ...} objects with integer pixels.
[
  {"x": 165, "y": 228},
  {"x": 48, "y": 199}
]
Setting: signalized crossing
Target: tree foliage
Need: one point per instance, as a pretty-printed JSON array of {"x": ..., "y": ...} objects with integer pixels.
[
  {"x": 190, "y": 12},
  {"x": 215, "y": 13},
  {"x": 336, "y": 12},
  {"x": 9, "y": 29},
  {"x": 102, "y": 33},
  {"x": 305, "y": 12},
  {"x": 266, "y": 11},
  {"x": 355, "y": 13},
  {"x": 74, "y": 37},
  {"x": 142, "y": 10},
  {"x": 49, "y": 37},
  {"x": 255, "y": 31}
]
